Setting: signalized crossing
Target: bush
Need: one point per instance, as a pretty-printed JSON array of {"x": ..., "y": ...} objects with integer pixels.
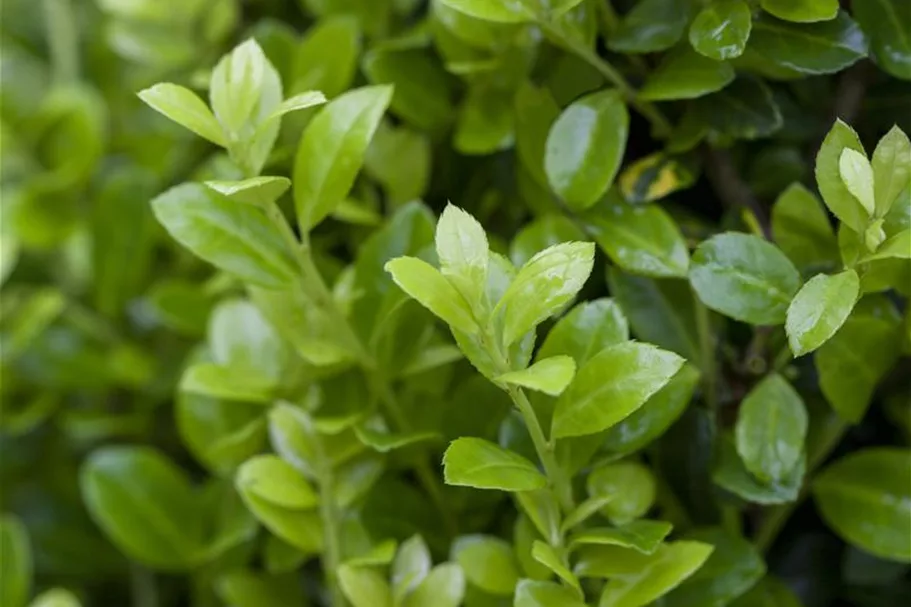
[{"x": 459, "y": 302}]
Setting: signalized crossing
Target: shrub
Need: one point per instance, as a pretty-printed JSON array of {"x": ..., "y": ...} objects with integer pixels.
[{"x": 460, "y": 302}]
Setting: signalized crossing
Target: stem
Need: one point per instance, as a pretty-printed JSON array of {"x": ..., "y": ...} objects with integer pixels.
[
  {"x": 332, "y": 554},
  {"x": 659, "y": 123},
  {"x": 62, "y": 39},
  {"x": 707, "y": 353}
]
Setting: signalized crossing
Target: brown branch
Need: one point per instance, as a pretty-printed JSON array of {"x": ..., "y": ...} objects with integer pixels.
[{"x": 730, "y": 187}]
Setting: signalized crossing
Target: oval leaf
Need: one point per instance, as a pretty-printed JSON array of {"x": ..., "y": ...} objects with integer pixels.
[
  {"x": 474, "y": 462},
  {"x": 819, "y": 309}
]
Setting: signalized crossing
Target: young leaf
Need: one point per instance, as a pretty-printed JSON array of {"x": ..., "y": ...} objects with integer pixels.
[
  {"x": 332, "y": 150},
  {"x": 545, "y": 554},
  {"x": 430, "y": 288},
  {"x": 610, "y": 386},
  {"x": 463, "y": 252},
  {"x": 276, "y": 481},
  {"x": 15, "y": 563},
  {"x": 474, "y": 462},
  {"x": 631, "y": 485},
  {"x": 891, "y": 168},
  {"x": 819, "y": 309},
  {"x": 865, "y": 497},
  {"x": 686, "y": 75},
  {"x": 498, "y": 11},
  {"x": 744, "y": 277},
  {"x": 802, "y": 11},
  {"x": 488, "y": 563},
  {"x": 771, "y": 428},
  {"x": 236, "y": 87},
  {"x": 258, "y": 191},
  {"x": 585, "y": 330},
  {"x": 836, "y": 195},
  {"x": 364, "y": 587},
  {"x": 444, "y": 586},
  {"x": 411, "y": 565},
  {"x": 857, "y": 175},
  {"x": 548, "y": 375},
  {"x": 896, "y": 247},
  {"x": 642, "y": 535},
  {"x": 544, "y": 285},
  {"x": 720, "y": 31},
  {"x": 297, "y": 102},
  {"x": 186, "y": 109},
  {"x": 585, "y": 147},
  {"x": 532, "y": 593},
  {"x": 235, "y": 238}
]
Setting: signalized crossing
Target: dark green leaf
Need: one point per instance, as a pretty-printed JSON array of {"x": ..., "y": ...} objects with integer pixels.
[
  {"x": 333, "y": 72},
  {"x": 802, "y": 229},
  {"x": 887, "y": 23},
  {"x": 686, "y": 75},
  {"x": 720, "y": 31},
  {"x": 15, "y": 563},
  {"x": 640, "y": 32},
  {"x": 731, "y": 474},
  {"x": 816, "y": 48},
  {"x": 745, "y": 109}
]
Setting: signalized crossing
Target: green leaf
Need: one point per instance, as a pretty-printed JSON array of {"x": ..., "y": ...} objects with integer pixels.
[
  {"x": 801, "y": 11},
  {"x": 631, "y": 485},
  {"x": 541, "y": 233},
  {"x": 771, "y": 429},
  {"x": 585, "y": 147},
  {"x": 145, "y": 504},
  {"x": 364, "y": 587},
  {"x": 745, "y": 109},
  {"x": 273, "y": 479},
  {"x": 815, "y": 48},
  {"x": 545, "y": 554},
  {"x": 731, "y": 474},
  {"x": 548, "y": 375},
  {"x": 857, "y": 175},
  {"x": 488, "y": 563},
  {"x": 486, "y": 122},
  {"x": 535, "y": 113},
  {"x": 241, "y": 588},
  {"x": 819, "y": 309},
  {"x": 896, "y": 247},
  {"x": 498, "y": 11},
  {"x": 332, "y": 150},
  {"x": 531, "y": 593},
  {"x": 258, "y": 191},
  {"x": 240, "y": 337},
  {"x": 642, "y": 535},
  {"x": 543, "y": 286},
  {"x": 686, "y": 75},
  {"x": 744, "y": 277},
  {"x": 585, "y": 511},
  {"x": 802, "y": 229},
  {"x": 828, "y": 176},
  {"x": 733, "y": 568},
  {"x": 15, "y": 563},
  {"x": 301, "y": 528},
  {"x": 411, "y": 565},
  {"x": 301, "y": 101},
  {"x": 610, "y": 386},
  {"x": 585, "y": 330},
  {"x": 865, "y": 497},
  {"x": 641, "y": 239},
  {"x": 656, "y": 176},
  {"x": 474, "y": 462},
  {"x": 229, "y": 383},
  {"x": 887, "y": 23},
  {"x": 660, "y": 573},
  {"x": 185, "y": 108},
  {"x": 891, "y": 167},
  {"x": 852, "y": 363},
  {"x": 443, "y": 587},
  {"x": 542, "y": 510},
  {"x": 384, "y": 441},
  {"x": 462, "y": 248},
  {"x": 56, "y": 597},
  {"x": 768, "y": 592},
  {"x": 720, "y": 31},
  {"x": 430, "y": 288},
  {"x": 237, "y": 85},
  {"x": 235, "y": 238},
  {"x": 640, "y": 32},
  {"x": 331, "y": 73}
]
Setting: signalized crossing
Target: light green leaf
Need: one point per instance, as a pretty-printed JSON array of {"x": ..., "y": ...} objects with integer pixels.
[
  {"x": 720, "y": 31},
  {"x": 731, "y": 474},
  {"x": 273, "y": 479},
  {"x": 866, "y": 498},
  {"x": 498, "y": 11},
  {"x": 411, "y": 565},
  {"x": 543, "y": 232},
  {"x": 532, "y": 593},
  {"x": 461, "y": 246},
  {"x": 488, "y": 563},
  {"x": 229, "y": 383},
  {"x": 258, "y": 191},
  {"x": 631, "y": 485},
  {"x": 585, "y": 330},
  {"x": 301, "y": 528},
  {"x": 639, "y": 32},
  {"x": 535, "y": 112},
  {"x": 662, "y": 571},
  {"x": 56, "y": 597},
  {"x": 857, "y": 175},
  {"x": 585, "y": 147},
  {"x": 240, "y": 337},
  {"x": 542, "y": 510},
  {"x": 802, "y": 229},
  {"x": 610, "y": 386},
  {"x": 891, "y": 166},
  {"x": 744, "y": 277},
  {"x": 145, "y": 504},
  {"x": 185, "y": 108},
  {"x": 585, "y": 511},
  {"x": 486, "y": 121},
  {"x": 896, "y": 247},
  {"x": 545, "y": 554},
  {"x": 543, "y": 286},
  {"x": 380, "y": 554},
  {"x": 298, "y": 102},
  {"x": 819, "y": 309},
  {"x": 771, "y": 429},
  {"x": 400, "y": 160},
  {"x": 237, "y": 85},
  {"x": 384, "y": 441},
  {"x": 802, "y": 11},
  {"x": 443, "y": 587},
  {"x": 641, "y": 239},
  {"x": 15, "y": 563},
  {"x": 235, "y": 238},
  {"x": 430, "y": 288},
  {"x": 474, "y": 462},
  {"x": 355, "y": 477},
  {"x": 642, "y": 535},
  {"x": 548, "y": 375},
  {"x": 331, "y": 73},
  {"x": 332, "y": 150},
  {"x": 686, "y": 75},
  {"x": 364, "y": 587},
  {"x": 887, "y": 23},
  {"x": 828, "y": 176}
]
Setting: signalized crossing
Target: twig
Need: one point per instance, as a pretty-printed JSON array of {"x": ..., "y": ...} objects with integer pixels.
[{"x": 732, "y": 189}]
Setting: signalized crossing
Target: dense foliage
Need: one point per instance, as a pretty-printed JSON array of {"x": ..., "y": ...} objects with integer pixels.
[{"x": 428, "y": 303}]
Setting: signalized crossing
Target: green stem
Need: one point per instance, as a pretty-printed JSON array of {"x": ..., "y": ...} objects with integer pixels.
[
  {"x": 332, "y": 553},
  {"x": 62, "y": 39},
  {"x": 660, "y": 124},
  {"x": 706, "y": 353}
]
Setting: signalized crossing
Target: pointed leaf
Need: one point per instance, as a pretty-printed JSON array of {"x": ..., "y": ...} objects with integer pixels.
[
  {"x": 259, "y": 191},
  {"x": 474, "y": 462},
  {"x": 545, "y": 554},
  {"x": 185, "y": 108},
  {"x": 802, "y": 229},
  {"x": 891, "y": 166},
  {"x": 298, "y": 102},
  {"x": 643, "y": 536},
  {"x": 686, "y": 75},
  {"x": 585, "y": 330},
  {"x": 828, "y": 176},
  {"x": 819, "y": 309},
  {"x": 857, "y": 175},
  {"x": 461, "y": 246},
  {"x": 430, "y": 288},
  {"x": 549, "y": 375}
]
